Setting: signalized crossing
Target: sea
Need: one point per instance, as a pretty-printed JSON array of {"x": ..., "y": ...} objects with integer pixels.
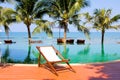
[{"x": 90, "y": 52}]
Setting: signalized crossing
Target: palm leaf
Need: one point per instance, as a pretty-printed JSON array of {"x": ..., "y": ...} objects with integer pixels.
[
  {"x": 115, "y": 18},
  {"x": 43, "y": 25}
]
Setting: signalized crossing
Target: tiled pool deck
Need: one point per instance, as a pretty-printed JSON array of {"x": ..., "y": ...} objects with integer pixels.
[{"x": 100, "y": 71}]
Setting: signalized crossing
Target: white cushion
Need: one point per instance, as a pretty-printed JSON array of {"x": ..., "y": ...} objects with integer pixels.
[{"x": 50, "y": 54}]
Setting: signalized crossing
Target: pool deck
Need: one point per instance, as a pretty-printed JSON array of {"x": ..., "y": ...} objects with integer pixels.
[{"x": 98, "y": 71}]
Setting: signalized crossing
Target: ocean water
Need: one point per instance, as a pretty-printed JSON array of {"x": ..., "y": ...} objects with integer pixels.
[{"x": 90, "y": 52}]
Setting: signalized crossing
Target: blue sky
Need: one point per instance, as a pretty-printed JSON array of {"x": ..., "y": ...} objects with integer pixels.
[{"x": 94, "y": 4}]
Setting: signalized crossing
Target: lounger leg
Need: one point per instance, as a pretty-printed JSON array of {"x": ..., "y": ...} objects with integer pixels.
[
  {"x": 51, "y": 66},
  {"x": 39, "y": 59},
  {"x": 70, "y": 67}
]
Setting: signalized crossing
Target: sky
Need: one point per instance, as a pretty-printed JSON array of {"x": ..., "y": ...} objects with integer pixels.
[{"x": 94, "y": 4}]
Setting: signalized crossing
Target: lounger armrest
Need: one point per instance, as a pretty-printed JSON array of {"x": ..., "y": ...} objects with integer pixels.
[{"x": 66, "y": 60}]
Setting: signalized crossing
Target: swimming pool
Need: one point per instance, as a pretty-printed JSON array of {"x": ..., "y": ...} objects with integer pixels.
[{"x": 90, "y": 52}]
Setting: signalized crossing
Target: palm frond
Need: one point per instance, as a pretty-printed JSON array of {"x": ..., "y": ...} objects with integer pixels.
[
  {"x": 77, "y": 5},
  {"x": 115, "y": 18},
  {"x": 37, "y": 30},
  {"x": 43, "y": 25},
  {"x": 85, "y": 30},
  {"x": 114, "y": 27}
]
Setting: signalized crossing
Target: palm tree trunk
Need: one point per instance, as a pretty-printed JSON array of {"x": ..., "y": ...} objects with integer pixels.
[
  {"x": 102, "y": 40},
  {"x": 29, "y": 34},
  {"x": 65, "y": 32}
]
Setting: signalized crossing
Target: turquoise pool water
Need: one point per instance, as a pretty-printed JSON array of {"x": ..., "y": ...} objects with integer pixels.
[{"x": 90, "y": 52}]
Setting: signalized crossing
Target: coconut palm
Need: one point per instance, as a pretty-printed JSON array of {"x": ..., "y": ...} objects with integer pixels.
[
  {"x": 7, "y": 16},
  {"x": 102, "y": 20},
  {"x": 28, "y": 14},
  {"x": 65, "y": 12}
]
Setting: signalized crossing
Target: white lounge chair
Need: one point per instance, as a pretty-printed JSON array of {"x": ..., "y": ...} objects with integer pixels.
[{"x": 51, "y": 55}]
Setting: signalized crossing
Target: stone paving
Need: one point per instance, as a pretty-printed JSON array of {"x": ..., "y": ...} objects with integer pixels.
[{"x": 98, "y": 71}]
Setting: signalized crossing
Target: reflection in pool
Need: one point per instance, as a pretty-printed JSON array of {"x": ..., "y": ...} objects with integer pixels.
[{"x": 85, "y": 53}]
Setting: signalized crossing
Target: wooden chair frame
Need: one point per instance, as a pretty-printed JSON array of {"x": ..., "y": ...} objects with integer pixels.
[{"x": 50, "y": 63}]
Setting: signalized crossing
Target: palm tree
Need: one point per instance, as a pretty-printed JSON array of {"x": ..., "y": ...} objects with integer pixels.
[
  {"x": 24, "y": 9},
  {"x": 28, "y": 14},
  {"x": 7, "y": 16},
  {"x": 65, "y": 12},
  {"x": 102, "y": 20}
]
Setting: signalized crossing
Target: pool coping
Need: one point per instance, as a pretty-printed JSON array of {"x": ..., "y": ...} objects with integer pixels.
[{"x": 73, "y": 64}]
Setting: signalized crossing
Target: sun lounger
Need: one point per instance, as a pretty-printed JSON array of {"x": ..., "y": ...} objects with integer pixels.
[{"x": 52, "y": 56}]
